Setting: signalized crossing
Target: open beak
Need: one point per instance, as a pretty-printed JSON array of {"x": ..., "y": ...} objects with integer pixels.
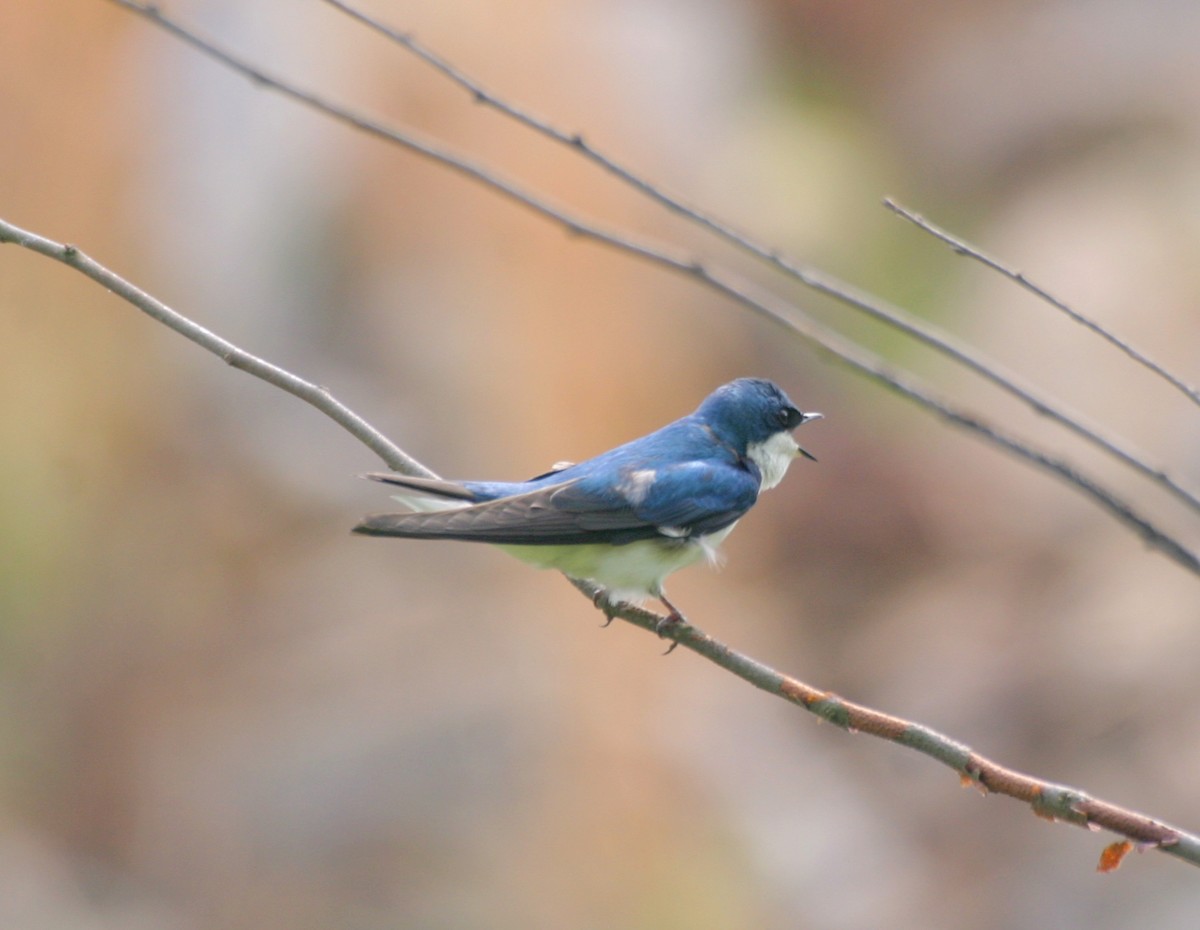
[{"x": 806, "y": 417}]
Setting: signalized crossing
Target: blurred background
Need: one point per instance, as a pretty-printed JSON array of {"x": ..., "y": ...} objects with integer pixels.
[{"x": 220, "y": 710}]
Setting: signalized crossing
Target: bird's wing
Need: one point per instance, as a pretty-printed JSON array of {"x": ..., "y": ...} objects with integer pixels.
[
  {"x": 531, "y": 518},
  {"x": 672, "y": 502},
  {"x": 694, "y": 498}
]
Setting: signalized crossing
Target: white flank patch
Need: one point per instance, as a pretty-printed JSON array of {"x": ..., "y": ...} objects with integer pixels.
[
  {"x": 636, "y": 485},
  {"x": 773, "y": 456},
  {"x": 428, "y": 503},
  {"x": 708, "y": 544}
]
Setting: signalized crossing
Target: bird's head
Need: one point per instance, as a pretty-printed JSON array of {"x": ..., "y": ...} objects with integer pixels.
[{"x": 756, "y": 418}]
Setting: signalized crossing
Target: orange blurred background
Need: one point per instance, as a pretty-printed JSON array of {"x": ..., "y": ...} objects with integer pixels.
[{"x": 220, "y": 710}]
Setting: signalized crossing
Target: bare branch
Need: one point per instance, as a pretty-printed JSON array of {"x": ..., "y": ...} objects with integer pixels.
[
  {"x": 823, "y": 283},
  {"x": 1046, "y": 799},
  {"x": 964, "y": 248},
  {"x": 781, "y": 312},
  {"x": 313, "y": 394},
  {"x": 1054, "y": 801}
]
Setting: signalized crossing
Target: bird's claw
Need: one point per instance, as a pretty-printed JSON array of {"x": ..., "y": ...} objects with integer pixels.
[
  {"x": 601, "y": 602},
  {"x": 664, "y": 624}
]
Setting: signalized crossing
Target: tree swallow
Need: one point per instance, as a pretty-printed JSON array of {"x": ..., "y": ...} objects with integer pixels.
[{"x": 629, "y": 517}]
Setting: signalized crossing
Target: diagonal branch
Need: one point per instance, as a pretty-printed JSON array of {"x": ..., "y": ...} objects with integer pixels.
[
  {"x": 960, "y": 247},
  {"x": 824, "y": 339},
  {"x": 1046, "y": 799},
  {"x": 308, "y": 392},
  {"x": 841, "y": 291},
  {"x": 1056, "y": 802}
]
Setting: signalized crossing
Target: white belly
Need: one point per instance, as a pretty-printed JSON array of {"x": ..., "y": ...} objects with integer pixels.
[{"x": 629, "y": 573}]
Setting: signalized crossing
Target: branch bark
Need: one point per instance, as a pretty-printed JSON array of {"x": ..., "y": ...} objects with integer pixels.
[
  {"x": 964, "y": 248},
  {"x": 232, "y": 355}
]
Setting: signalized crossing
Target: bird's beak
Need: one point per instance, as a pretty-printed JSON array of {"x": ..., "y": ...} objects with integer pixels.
[{"x": 806, "y": 417}]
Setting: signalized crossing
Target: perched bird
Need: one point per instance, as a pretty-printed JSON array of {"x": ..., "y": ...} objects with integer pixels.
[{"x": 628, "y": 517}]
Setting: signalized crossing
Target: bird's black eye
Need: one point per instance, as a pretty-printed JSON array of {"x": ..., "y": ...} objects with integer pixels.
[{"x": 789, "y": 417}]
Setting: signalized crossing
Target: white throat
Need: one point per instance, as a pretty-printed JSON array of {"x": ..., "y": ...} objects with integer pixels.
[{"x": 773, "y": 456}]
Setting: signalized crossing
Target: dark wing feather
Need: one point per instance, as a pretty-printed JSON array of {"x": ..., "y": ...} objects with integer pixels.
[
  {"x": 533, "y": 518},
  {"x": 434, "y": 487},
  {"x": 698, "y": 497},
  {"x": 687, "y": 499}
]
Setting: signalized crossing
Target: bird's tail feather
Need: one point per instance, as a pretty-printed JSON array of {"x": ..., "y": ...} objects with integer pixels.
[
  {"x": 425, "y": 494},
  {"x": 410, "y": 525},
  {"x": 435, "y": 487}
]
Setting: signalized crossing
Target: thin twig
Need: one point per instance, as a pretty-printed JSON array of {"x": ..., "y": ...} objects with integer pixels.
[
  {"x": 961, "y": 247},
  {"x": 878, "y": 309},
  {"x": 824, "y": 339},
  {"x": 308, "y": 392},
  {"x": 1046, "y": 799}
]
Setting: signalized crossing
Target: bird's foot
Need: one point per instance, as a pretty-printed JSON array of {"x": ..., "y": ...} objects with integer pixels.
[
  {"x": 665, "y": 624},
  {"x": 602, "y": 603},
  {"x": 663, "y": 628}
]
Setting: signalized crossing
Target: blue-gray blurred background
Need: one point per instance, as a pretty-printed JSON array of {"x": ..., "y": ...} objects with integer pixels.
[{"x": 220, "y": 710}]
